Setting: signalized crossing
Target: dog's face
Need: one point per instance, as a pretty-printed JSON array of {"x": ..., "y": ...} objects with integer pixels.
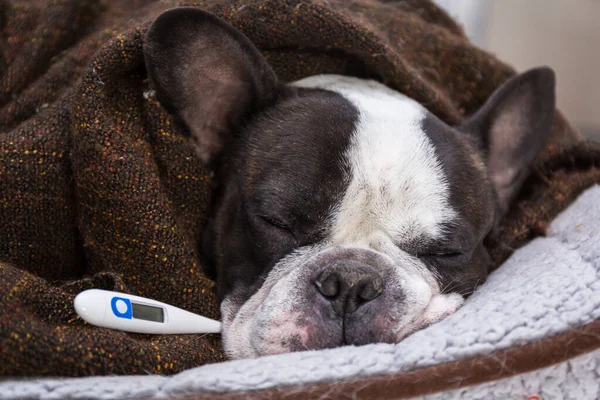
[{"x": 344, "y": 212}]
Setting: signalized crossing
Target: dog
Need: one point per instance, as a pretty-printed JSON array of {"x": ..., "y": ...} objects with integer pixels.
[{"x": 344, "y": 212}]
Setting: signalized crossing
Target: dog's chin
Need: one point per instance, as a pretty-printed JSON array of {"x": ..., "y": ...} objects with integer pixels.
[
  {"x": 285, "y": 315},
  {"x": 304, "y": 329}
]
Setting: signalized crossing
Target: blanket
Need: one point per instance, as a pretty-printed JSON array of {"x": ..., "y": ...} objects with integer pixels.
[
  {"x": 545, "y": 289},
  {"x": 100, "y": 189}
]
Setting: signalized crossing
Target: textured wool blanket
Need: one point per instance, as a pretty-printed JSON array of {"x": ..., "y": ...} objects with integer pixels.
[{"x": 99, "y": 189}]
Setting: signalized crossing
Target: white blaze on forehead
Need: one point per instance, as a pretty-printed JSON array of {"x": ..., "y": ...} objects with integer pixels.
[{"x": 397, "y": 185}]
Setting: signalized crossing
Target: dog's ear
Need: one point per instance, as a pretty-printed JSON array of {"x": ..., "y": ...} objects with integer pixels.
[
  {"x": 207, "y": 74},
  {"x": 513, "y": 126}
]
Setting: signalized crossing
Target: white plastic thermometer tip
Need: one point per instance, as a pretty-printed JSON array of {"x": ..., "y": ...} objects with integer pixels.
[{"x": 130, "y": 313}]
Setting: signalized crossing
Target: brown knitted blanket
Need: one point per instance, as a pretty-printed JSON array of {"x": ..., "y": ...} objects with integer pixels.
[{"x": 98, "y": 189}]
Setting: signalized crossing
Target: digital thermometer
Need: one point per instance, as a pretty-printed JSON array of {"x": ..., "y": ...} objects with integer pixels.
[{"x": 130, "y": 313}]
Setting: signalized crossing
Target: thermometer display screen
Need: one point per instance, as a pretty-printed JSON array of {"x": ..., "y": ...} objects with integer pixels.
[{"x": 148, "y": 313}]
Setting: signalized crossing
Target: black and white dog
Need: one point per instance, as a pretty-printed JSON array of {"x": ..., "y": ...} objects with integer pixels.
[{"x": 345, "y": 212}]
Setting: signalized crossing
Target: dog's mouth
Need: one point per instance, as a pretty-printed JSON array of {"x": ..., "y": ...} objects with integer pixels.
[
  {"x": 288, "y": 313},
  {"x": 440, "y": 306}
]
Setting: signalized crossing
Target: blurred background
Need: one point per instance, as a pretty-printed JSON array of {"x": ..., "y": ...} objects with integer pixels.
[{"x": 563, "y": 34}]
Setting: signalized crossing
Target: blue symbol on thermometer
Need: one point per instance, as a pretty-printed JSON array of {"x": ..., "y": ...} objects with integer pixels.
[{"x": 121, "y": 307}]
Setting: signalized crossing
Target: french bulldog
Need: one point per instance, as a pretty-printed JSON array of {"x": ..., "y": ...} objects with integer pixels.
[{"x": 344, "y": 212}]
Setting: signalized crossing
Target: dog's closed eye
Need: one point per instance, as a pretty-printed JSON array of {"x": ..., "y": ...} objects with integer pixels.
[
  {"x": 277, "y": 223},
  {"x": 446, "y": 255}
]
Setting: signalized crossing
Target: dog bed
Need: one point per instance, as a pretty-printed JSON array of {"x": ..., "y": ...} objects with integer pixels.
[
  {"x": 537, "y": 310},
  {"x": 99, "y": 189}
]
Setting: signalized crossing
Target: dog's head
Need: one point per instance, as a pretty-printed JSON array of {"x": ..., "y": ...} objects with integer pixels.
[{"x": 344, "y": 212}]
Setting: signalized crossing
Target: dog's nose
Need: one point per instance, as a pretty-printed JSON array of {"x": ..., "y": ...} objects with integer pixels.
[{"x": 348, "y": 284}]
